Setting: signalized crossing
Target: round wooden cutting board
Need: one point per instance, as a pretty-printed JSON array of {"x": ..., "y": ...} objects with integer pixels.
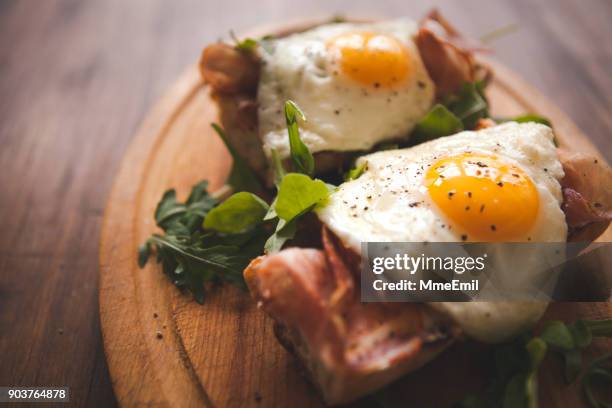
[{"x": 165, "y": 349}]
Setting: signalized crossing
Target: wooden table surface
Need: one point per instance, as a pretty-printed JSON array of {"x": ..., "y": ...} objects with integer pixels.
[{"x": 77, "y": 77}]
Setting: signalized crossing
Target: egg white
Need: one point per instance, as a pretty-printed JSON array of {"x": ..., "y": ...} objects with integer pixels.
[
  {"x": 342, "y": 115},
  {"x": 388, "y": 203}
]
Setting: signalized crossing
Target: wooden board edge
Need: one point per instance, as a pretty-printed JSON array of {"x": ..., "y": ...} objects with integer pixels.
[{"x": 126, "y": 355}]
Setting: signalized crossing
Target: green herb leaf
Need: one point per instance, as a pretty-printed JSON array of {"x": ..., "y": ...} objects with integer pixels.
[
  {"x": 298, "y": 194},
  {"x": 529, "y": 117},
  {"x": 536, "y": 348},
  {"x": 189, "y": 256},
  {"x": 271, "y": 214},
  {"x": 248, "y": 44},
  {"x": 581, "y": 334},
  {"x": 300, "y": 154},
  {"x": 240, "y": 212},
  {"x": 469, "y": 105},
  {"x": 144, "y": 251},
  {"x": 456, "y": 113},
  {"x": 284, "y": 232},
  {"x": 241, "y": 176},
  {"x": 338, "y": 18},
  {"x": 437, "y": 123},
  {"x": 168, "y": 210},
  {"x": 184, "y": 218},
  {"x": 277, "y": 166},
  {"x": 557, "y": 335},
  {"x": 356, "y": 172}
]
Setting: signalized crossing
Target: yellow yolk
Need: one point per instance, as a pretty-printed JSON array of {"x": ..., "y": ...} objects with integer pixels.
[
  {"x": 487, "y": 199},
  {"x": 373, "y": 59}
]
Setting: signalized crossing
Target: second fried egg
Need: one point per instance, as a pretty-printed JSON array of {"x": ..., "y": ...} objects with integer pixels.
[{"x": 499, "y": 184}]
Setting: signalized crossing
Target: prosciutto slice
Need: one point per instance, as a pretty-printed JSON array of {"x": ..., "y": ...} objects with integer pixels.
[
  {"x": 587, "y": 195},
  {"x": 447, "y": 55},
  {"x": 348, "y": 348}
]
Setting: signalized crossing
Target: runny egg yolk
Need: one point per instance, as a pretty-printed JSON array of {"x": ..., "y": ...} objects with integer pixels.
[
  {"x": 372, "y": 59},
  {"x": 486, "y": 198}
]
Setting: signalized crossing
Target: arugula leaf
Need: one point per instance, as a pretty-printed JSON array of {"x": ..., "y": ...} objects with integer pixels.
[
  {"x": 557, "y": 335},
  {"x": 456, "y": 113},
  {"x": 240, "y": 212},
  {"x": 247, "y": 45},
  {"x": 266, "y": 44},
  {"x": 284, "y": 232},
  {"x": 189, "y": 256},
  {"x": 271, "y": 214},
  {"x": 219, "y": 257},
  {"x": 569, "y": 340},
  {"x": 300, "y": 154},
  {"x": 183, "y": 218},
  {"x": 189, "y": 265},
  {"x": 297, "y": 194},
  {"x": 277, "y": 166},
  {"x": 168, "y": 210},
  {"x": 581, "y": 333},
  {"x": 536, "y": 348},
  {"x": 529, "y": 117},
  {"x": 144, "y": 251},
  {"x": 356, "y": 172},
  {"x": 469, "y": 105},
  {"x": 241, "y": 176},
  {"x": 437, "y": 123},
  {"x": 338, "y": 18}
]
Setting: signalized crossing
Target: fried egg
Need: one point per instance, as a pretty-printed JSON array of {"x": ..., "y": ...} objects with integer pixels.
[
  {"x": 499, "y": 184},
  {"x": 495, "y": 184},
  {"x": 358, "y": 85}
]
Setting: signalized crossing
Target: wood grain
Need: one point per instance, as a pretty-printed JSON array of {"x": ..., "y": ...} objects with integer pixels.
[
  {"x": 76, "y": 79},
  {"x": 164, "y": 348}
]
